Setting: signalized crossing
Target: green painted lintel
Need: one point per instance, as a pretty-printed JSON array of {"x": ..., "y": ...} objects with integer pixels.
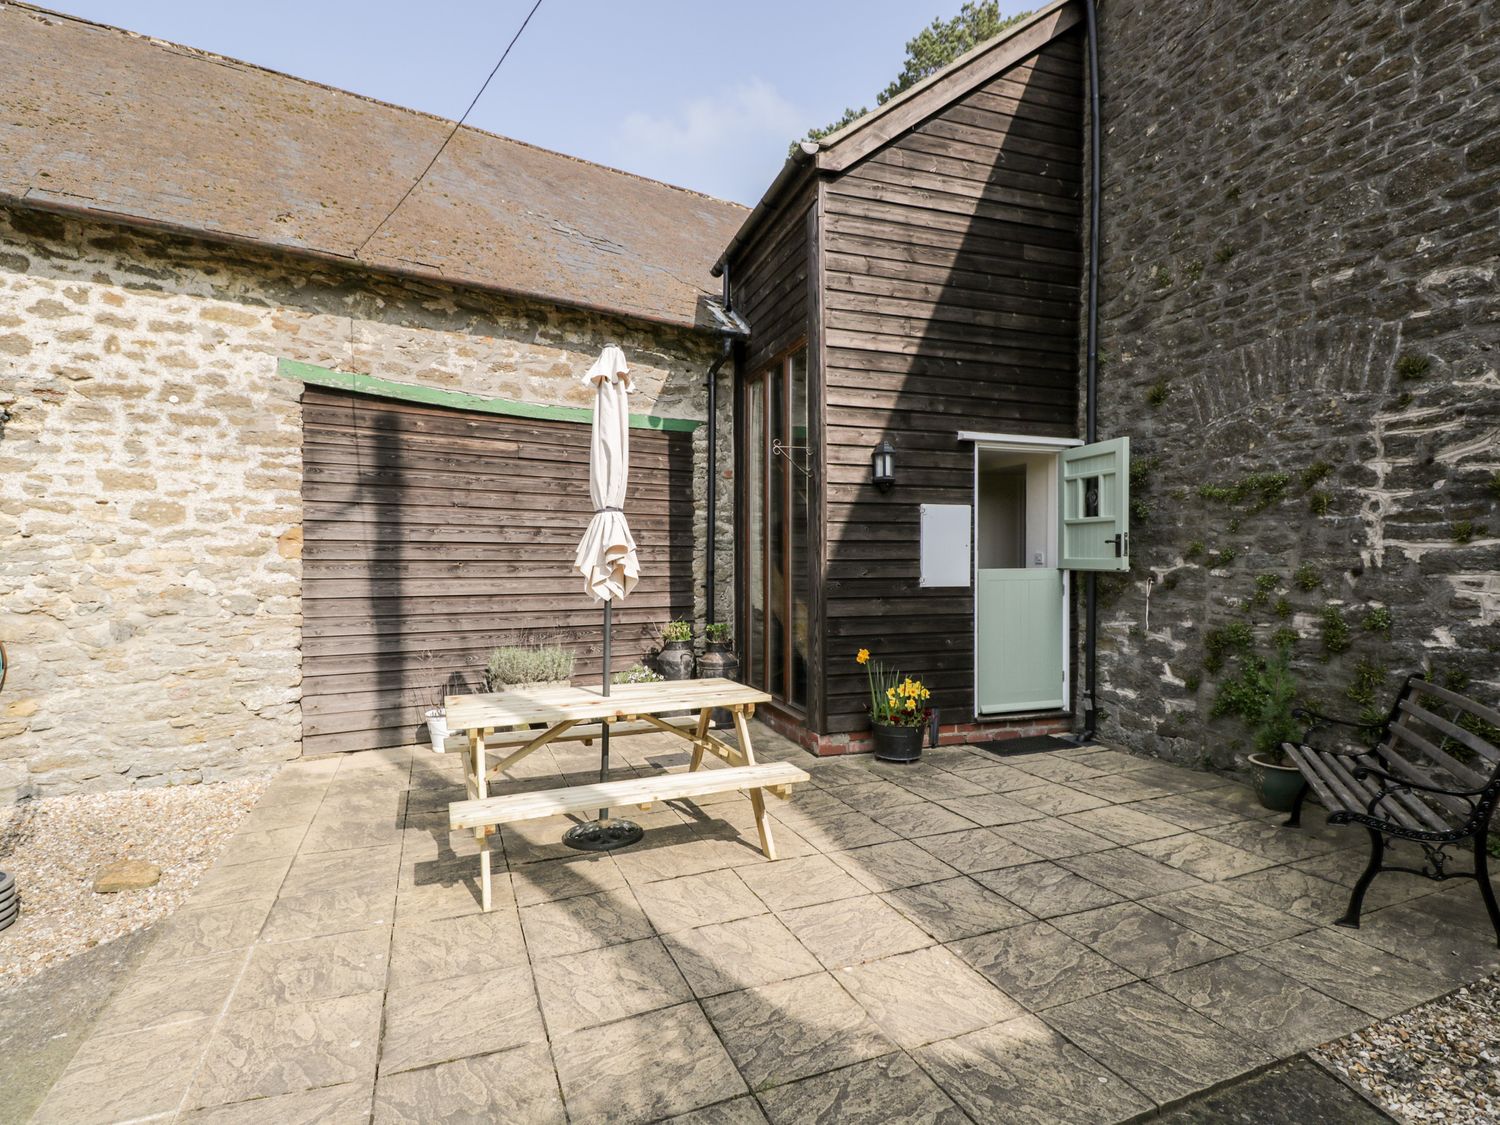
[{"x": 461, "y": 400}]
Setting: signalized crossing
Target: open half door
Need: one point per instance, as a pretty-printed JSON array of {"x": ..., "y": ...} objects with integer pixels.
[{"x": 1095, "y": 524}]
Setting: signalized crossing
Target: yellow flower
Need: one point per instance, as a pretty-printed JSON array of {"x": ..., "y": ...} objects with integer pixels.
[
  {"x": 911, "y": 704},
  {"x": 864, "y": 656}
]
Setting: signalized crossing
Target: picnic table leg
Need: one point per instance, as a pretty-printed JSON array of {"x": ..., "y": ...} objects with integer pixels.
[
  {"x": 482, "y": 833},
  {"x": 704, "y": 718},
  {"x": 757, "y": 796}
]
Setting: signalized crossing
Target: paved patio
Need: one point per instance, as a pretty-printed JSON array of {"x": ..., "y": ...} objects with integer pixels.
[{"x": 1074, "y": 936}]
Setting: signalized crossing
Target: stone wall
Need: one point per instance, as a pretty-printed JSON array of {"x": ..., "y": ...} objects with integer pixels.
[
  {"x": 150, "y": 471},
  {"x": 1300, "y": 313}
]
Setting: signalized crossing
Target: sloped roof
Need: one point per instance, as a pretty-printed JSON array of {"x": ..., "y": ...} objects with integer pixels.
[
  {"x": 102, "y": 122},
  {"x": 877, "y": 128}
]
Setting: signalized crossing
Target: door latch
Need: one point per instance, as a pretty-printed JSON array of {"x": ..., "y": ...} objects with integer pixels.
[{"x": 1119, "y": 542}]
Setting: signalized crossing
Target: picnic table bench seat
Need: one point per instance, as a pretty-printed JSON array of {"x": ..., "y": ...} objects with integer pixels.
[
  {"x": 1432, "y": 777},
  {"x": 776, "y": 777}
]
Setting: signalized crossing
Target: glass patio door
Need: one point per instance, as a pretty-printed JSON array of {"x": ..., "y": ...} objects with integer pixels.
[{"x": 777, "y": 482}]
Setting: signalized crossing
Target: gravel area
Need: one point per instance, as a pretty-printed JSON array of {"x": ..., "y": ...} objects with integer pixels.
[
  {"x": 56, "y": 846},
  {"x": 1439, "y": 1062}
]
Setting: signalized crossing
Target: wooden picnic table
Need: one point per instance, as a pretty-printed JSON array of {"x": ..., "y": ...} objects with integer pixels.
[{"x": 501, "y": 722}]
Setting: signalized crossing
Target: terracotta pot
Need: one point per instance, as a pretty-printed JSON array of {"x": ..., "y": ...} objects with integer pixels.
[
  {"x": 1276, "y": 786},
  {"x": 897, "y": 744}
]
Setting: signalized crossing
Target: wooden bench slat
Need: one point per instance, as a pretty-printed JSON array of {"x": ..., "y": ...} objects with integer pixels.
[
  {"x": 1353, "y": 795},
  {"x": 633, "y": 791},
  {"x": 1468, "y": 738},
  {"x": 1453, "y": 699},
  {"x": 1422, "y": 773}
]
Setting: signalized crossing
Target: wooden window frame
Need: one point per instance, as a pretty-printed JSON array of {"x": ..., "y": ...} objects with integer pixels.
[{"x": 759, "y": 383}]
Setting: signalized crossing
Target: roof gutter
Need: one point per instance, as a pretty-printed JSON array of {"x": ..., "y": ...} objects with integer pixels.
[
  {"x": 329, "y": 257},
  {"x": 800, "y": 158}
]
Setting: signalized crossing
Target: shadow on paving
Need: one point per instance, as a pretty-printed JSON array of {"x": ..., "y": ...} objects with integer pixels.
[
  {"x": 1295, "y": 1092},
  {"x": 45, "y": 1020}
]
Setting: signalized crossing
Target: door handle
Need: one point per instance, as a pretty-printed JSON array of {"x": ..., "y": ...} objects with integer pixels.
[{"x": 1120, "y": 541}]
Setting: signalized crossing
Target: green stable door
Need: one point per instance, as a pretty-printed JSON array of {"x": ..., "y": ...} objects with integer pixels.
[{"x": 1039, "y": 514}]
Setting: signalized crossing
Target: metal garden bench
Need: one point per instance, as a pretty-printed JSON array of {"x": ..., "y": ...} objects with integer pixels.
[{"x": 1433, "y": 778}]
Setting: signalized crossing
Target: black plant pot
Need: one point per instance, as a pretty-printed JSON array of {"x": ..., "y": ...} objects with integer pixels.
[
  {"x": 719, "y": 661},
  {"x": 675, "y": 661},
  {"x": 897, "y": 744}
]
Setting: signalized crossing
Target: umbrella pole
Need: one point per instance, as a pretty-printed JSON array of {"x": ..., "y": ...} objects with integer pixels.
[
  {"x": 604, "y": 686},
  {"x": 604, "y": 834}
]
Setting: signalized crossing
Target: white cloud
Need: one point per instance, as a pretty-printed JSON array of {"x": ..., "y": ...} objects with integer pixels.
[{"x": 729, "y": 145}]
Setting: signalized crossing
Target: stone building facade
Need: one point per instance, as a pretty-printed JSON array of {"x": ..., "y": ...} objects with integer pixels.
[
  {"x": 1300, "y": 320},
  {"x": 150, "y": 467}
]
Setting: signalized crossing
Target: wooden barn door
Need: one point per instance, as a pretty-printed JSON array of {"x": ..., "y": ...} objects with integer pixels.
[{"x": 433, "y": 535}]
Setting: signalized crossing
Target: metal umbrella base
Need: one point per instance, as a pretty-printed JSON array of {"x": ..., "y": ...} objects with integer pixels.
[{"x": 603, "y": 835}]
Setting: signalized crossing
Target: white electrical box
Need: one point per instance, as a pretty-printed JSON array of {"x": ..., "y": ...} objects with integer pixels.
[{"x": 947, "y": 544}]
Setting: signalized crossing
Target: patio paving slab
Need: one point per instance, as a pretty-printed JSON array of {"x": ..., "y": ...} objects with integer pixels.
[
  {"x": 956, "y": 908},
  {"x": 312, "y": 969},
  {"x": 976, "y": 849},
  {"x": 1047, "y": 889},
  {"x": 1261, "y": 1005},
  {"x": 1040, "y": 966},
  {"x": 1188, "y": 810},
  {"x": 740, "y": 954},
  {"x": 516, "y": 1085},
  {"x": 1228, "y": 917},
  {"x": 926, "y": 818},
  {"x": 698, "y": 900},
  {"x": 572, "y": 925},
  {"x": 439, "y": 1021},
  {"x": 345, "y": 1104},
  {"x": 1202, "y": 856},
  {"x": 1054, "y": 838},
  {"x": 1127, "y": 872},
  {"x": 449, "y": 947},
  {"x": 736, "y": 1111},
  {"x": 338, "y": 911},
  {"x": 806, "y": 881},
  {"x": 1296, "y": 1092},
  {"x": 649, "y": 1066},
  {"x": 291, "y": 1047},
  {"x": 127, "y": 1075},
  {"x": 1023, "y": 1071},
  {"x": 601, "y": 985},
  {"x": 1122, "y": 824},
  {"x": 1139, "y": 939},
  {"x": 885, "y": 867},
  {"x": 172, "y": 993},
  {"x": 926, "y": 995},
  {"x": 1358, "y": 974},
  {"x": 781, "y": 1032},
  {"x": 853, "y": 930},
  {"x": 1161, "y": 1047},
  {"x": 891, "y": 1088}
]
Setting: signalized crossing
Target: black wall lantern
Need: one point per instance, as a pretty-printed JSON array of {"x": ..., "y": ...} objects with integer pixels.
[{"x": 883, "y": 466}]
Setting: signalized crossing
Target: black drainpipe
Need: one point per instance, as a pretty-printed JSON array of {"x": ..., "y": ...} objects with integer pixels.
[
  {"x": 713, "y": 459},
  {"x": 1091, "y": 394}
]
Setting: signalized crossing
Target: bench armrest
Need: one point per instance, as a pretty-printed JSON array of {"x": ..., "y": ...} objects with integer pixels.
[
  {"x": 1393, "y": 782},
  {"x": 1316, "y": 720}
]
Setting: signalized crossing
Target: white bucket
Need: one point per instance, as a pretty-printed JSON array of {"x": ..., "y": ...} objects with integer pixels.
[{"x": 437, "y": 728}]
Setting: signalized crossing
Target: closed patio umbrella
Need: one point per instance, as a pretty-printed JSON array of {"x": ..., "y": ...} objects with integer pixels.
[{"x": 606, "y": 556}]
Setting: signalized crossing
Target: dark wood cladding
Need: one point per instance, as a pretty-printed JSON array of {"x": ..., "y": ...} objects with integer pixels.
[
  {"x": 770, "y": 279},
  {"x": 950, "y": 289},
  {"x": 433, "y": 535}
]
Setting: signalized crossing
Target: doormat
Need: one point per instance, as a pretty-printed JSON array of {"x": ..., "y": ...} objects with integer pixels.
[{"x": 1032, "y": 744}]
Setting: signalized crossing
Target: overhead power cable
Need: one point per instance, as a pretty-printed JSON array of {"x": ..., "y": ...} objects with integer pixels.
[{"x": 457, "y": 125}]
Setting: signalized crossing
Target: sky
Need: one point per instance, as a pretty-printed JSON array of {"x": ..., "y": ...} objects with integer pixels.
[{"x": 702, "y": 95}]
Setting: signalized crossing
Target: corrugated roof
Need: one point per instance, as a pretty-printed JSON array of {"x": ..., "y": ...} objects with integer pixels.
[{"x": 104, "y": 122}]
